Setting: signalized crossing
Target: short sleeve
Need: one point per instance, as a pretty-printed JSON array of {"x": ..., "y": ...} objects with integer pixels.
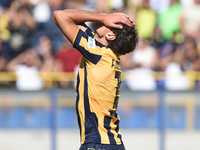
[{"x": 87, "y": 45}]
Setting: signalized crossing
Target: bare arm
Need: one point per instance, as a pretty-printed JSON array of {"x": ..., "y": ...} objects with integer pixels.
[
  {"x": 67, "y": 20},
  {"x": 30, "y": 54},
  {"x": 13, "y": 64}
]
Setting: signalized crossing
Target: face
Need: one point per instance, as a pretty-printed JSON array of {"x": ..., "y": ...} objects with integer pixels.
[
  {"x": 45, "y": 46},
  {"x": 101, "y": 30},
  {"x": 2, "y": 63}
]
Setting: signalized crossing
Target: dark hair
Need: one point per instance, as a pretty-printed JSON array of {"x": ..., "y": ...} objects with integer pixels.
[{"x": 126, "y": 40}]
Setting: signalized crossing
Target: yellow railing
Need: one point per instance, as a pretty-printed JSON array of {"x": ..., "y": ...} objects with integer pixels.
[
  {"x": 46, "y": 76},
  {"x": 50, "y": 77},
  {"x": 60, "y": 76}
]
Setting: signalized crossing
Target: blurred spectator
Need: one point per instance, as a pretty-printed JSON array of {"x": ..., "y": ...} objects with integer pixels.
[
  {"x": 196, "y": 67},
  {"x": 139, "y": 65},
  {"x": 146, "y": 20},
  {"x": 159, "y": 5},
  {"x": 169, "y": 20},
  {"x": 144, "y": 54},
  {"x": 184, "y": 58},
  {"x": 45, "y": 52},
  {"x": 116, "y": 5},
  {"x": 175, "y": 79},
  {"x": 134, "y": 3},
  {"x": 26, "y": 66},
  {"x": 4, "y": 22},
  {"x": 165, "y": 24},
  {"x": 22, "y": 30},
  {"x": 102, "y": 6},
  {"x": 79, "y": 4},
  {"x": 89, "y": 4},
  {"x": 48, "y": 62},
  {"x": 41, "y": 12},
  {"x": 70, "y": 59},
  {"x": 3, "y": 61},
  {"x": 164, "y": 50},
  {"x": 49, "y": 26},
  {"x": 191, "y": 54},
  {"x": 190, "y": 20},
  {"x": 186, "y": 3}
]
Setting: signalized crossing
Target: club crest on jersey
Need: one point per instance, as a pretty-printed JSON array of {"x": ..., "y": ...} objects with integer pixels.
[{"x": 91, "y": 42}]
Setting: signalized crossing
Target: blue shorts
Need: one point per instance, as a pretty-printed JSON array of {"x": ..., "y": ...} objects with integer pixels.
[{"x": 93, "y": 146}]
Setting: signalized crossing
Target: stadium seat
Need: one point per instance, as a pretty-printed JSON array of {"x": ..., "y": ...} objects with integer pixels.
[
  {"x": 16, "y": 118},
  {"x": 176, "y": 117},
  {"x": 39, "y": 118},
  {"x": 151, "y": 118},
  {"x": 67, "y": 118},
  {"x": 197, "y": 117},
  {"x": 1, "y": 118},
  {"x": 133, "y": 119}
]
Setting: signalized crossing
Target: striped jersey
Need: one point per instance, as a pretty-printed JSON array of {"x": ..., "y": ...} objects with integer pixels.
[{"x": 97, "y": 91}]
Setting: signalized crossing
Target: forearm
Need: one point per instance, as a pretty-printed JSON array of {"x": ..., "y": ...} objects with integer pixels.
[
  {"x": 16, "y": 61},
  {"x": 79, "y": 16},
  {"x": 67, "y": 20}
]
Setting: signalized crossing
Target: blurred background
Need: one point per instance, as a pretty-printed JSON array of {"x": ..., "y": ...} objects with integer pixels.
[{"x": 160, "y": 99}]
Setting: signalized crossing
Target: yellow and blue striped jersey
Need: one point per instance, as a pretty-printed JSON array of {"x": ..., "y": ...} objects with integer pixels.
[{"x": 98, "y": 86}]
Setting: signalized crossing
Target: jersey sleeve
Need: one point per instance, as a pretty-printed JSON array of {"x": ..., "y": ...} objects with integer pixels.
[{"x": 87, "y": 45}]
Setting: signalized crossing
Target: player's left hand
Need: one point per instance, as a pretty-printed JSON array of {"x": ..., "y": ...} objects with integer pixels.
[{"x": 116, "y": 19}]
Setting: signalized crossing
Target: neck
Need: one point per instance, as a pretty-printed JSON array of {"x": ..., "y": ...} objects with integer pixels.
[{"x": 102, "y": 40}]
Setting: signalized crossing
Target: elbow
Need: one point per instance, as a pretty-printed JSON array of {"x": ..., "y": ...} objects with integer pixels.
[
  {"x": 59, "y": 15},
  {"x": 55, "y": 14}
]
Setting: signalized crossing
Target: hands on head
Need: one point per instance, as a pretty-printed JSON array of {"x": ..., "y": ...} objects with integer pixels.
[{"x": 67, "y": 20}]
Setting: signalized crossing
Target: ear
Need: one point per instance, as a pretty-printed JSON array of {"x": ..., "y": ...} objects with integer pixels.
[{"x": 110, "y": 36}]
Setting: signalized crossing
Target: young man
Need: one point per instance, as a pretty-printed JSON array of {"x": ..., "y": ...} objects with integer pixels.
[{"x": 99, "y": 78}]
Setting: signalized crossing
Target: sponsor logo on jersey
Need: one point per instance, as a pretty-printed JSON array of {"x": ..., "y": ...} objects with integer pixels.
[{"x": 91, "y": 42}]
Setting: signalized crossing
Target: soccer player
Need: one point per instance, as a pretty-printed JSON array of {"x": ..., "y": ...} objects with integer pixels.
[{"x": 99, "y": 77}]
